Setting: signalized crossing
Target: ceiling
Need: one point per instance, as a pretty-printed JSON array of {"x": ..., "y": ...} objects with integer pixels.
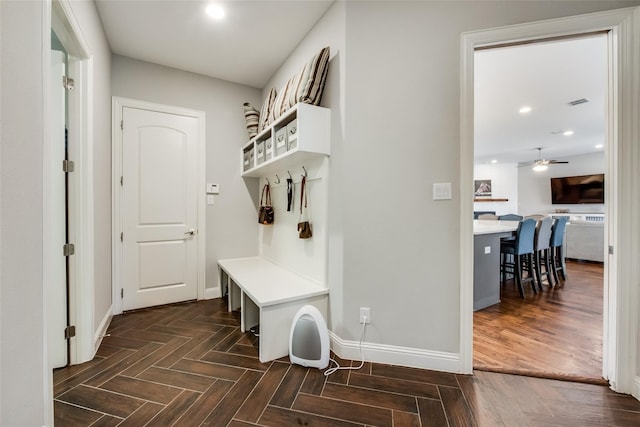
[
  {"x": 256, "y": 36},
  {"x": 546, "y": 77},
  {"x": 245, "y": 47}
]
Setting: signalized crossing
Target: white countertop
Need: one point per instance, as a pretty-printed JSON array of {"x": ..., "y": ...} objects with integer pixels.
[{"x": 493, "y": 226}]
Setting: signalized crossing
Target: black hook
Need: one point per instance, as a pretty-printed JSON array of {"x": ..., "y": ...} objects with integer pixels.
[
  {"x": 290, "y": 177},
  {"x": 305, "y": 172},
  {"x": 278, "y": 179}
]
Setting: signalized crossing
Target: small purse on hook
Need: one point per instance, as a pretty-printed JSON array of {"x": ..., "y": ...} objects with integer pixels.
[
  {"x": 266, "y": 214},
  {"x": 304, "y": 227}
]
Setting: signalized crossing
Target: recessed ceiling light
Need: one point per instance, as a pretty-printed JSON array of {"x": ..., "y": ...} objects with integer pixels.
[
  {"x": 525, "y": 110},
  {"x": 599, "y": 145},
  {"x": 494, "y": 161},
  {"x": 215, "y": 11},
  {"x": 567, "y": 133}
]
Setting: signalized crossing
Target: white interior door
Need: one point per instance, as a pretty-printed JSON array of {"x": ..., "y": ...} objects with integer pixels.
[
  {"x": 54, "y": 226},
  {"x": 159, "y": 208}
]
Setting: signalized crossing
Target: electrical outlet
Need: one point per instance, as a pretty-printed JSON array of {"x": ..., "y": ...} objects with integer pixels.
[{"x": 365, "y": 312}]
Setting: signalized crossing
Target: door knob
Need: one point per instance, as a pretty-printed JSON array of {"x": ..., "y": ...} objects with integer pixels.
[{"x": 190, "y": 233}]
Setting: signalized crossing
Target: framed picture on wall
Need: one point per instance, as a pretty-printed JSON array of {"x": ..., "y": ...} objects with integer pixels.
[{"x": 482, "y": 187}]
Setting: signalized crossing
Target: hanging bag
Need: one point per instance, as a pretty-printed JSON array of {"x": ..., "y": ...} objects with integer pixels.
[
  {"x": 304, "y": 227},
  {"x": 265, "y": 214}
]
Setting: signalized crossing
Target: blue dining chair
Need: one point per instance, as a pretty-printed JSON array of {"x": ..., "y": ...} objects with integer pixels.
[
  {"x": 510, "y": 217},
  {"x": 541, "y": 252},
  {"x": 557, "y": 245},
  {"x": 516, "y": 255}
]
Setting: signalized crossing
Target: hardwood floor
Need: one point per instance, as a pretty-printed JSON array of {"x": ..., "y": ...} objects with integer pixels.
[
  {"x": 555, "y": 334},
  {"x": 189, "y": 365}
]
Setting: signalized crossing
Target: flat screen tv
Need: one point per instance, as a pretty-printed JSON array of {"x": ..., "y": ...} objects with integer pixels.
[{"x": 571, "y": 190}]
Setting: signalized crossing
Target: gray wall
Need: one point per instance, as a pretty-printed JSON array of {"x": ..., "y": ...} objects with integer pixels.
[
  {"x": 23, "y": 356},
  {"x": 232, "y": 227},
  {"x": 22, "y": 351},
  {"x": 398, "y": 133}
]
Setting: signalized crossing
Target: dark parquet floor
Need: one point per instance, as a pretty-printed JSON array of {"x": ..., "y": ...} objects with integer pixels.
[
  {"x": 189, "y": 365},
  {"x": 555, "y": 334}
]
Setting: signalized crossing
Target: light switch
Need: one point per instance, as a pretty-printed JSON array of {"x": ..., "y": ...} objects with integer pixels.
[
  {"x": 442, "y": 191},
  {"x": 210, "y": 199},
  {"x": 487, "y": 249},
  {"x": 213, "y": 189}
]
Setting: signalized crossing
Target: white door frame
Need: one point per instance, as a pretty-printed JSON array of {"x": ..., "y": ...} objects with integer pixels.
[
  {"x": 118, "y": 104},
  {"x": 64, "y": 23},
  {"x": 622, "y": 296},
  {"x": 58, "y": 15}
]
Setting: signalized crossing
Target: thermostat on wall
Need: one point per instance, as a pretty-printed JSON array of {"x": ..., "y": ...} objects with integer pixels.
[{"x": 213, "y": 189}]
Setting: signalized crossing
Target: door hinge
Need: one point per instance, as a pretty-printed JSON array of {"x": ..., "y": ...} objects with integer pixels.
[
  {"x": 122, "y": 124},
  {"x": 69, "y": 332},
  {"x": 68, "y": 166},
  {"x": 68, "y": 249},
  {"x": 121, "y": 236},
  {"x": 610, "y": 249},
  {"x": 67, "y": 82},
  {"x": 121, "y": 181},
  {"x": 121, "y": 292}
]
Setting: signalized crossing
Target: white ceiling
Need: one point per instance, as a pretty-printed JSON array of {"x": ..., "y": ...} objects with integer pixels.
[
  {"x": 256, "y": 36},
  {"x": 545, "y": 77},
  {"x": 246, "y": 47}
]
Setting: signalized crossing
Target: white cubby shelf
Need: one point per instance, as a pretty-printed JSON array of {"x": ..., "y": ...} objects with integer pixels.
[{"x": 307, "y": 129}]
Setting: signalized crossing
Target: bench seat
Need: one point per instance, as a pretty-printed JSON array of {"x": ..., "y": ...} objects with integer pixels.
[{"x": 268, "y": 295}]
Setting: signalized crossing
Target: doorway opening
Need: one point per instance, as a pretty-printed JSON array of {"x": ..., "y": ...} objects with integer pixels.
[
  {"x": 546, "y": 96},
  {"x": 620, "y": 332}
]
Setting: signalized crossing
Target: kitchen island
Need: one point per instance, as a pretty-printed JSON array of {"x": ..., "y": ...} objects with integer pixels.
[{"x": 486, "y": 260}]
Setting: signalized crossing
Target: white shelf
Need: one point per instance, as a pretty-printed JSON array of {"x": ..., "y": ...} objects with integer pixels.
[{"x": 312, "y": 140}]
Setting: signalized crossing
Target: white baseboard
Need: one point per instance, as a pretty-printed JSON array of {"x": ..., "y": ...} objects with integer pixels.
[
  {"x": 102, "y": 329},
  {"x": 211, "y": 293},
  {"x": 635, "y": 388},
  {"x": 394, "y": 355}
]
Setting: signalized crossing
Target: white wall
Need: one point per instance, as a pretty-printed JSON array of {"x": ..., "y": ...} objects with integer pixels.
[
  {"x": 537, "y": 187},
  {"x": 504, "y": 185},
  {"x": 22, "y": 355},
  {"x": 232, "y": 222}
]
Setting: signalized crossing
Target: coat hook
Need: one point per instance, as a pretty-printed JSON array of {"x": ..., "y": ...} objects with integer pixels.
[
  {"x": 278, "y": 179},
  {"x": 305, "y": 171},
  {"x": 267, "y": 179},
  {"x": 290, "y": 177}
]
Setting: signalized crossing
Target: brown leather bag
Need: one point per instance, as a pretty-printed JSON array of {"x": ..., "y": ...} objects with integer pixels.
[
  {"x": 266, "y": 214},
  {"x": 304, "y": 226}
]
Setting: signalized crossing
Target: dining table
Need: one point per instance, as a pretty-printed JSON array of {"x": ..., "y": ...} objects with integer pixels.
[{"x": 486, "y": 259}]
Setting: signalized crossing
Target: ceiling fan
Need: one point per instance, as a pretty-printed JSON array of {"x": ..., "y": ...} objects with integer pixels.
[{"x": 541, "y": 164}]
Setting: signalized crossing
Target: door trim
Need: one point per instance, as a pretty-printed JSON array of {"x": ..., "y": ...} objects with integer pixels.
[
  {"x": 67, "y": 28},
  {"x": 118, "y": 103},
  {"x": 622, "y": 294}
]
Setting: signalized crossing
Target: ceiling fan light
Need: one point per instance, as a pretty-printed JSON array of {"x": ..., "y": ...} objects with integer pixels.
[{"x": 540, "y": 167}]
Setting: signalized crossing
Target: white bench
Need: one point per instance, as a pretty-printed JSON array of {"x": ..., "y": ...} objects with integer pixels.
[{"x": 268, "y": 295}]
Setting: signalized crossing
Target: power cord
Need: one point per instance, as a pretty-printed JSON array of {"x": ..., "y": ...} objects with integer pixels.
[{"x": 355, "y": 368}]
